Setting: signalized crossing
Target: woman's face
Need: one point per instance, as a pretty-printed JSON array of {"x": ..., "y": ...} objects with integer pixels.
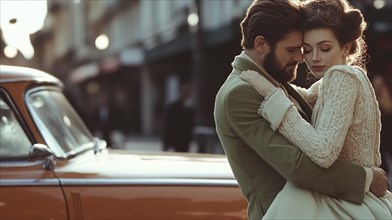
[{"x": 322, "y": 50}]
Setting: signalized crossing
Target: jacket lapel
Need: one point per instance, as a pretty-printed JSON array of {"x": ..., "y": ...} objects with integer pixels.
[{"x": 305, "y": 111}]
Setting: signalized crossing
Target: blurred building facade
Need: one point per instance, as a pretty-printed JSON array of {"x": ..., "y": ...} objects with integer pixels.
[{"x": 153, "y": 48}]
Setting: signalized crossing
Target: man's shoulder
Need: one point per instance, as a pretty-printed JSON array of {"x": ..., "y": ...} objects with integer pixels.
[{"x": 234, "y": 87}]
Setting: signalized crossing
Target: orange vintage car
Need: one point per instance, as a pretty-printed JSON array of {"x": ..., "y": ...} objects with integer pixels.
[{"x": 51, "y": 167}]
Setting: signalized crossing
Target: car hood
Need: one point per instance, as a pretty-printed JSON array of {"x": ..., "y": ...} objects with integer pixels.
[{"x": 124, "y": 164}]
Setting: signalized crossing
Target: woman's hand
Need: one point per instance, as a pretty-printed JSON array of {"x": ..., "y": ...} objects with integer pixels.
[{"x": 259, "y": 82}]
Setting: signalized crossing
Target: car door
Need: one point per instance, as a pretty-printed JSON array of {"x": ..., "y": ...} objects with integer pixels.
[{"x": 27, "y": 189}]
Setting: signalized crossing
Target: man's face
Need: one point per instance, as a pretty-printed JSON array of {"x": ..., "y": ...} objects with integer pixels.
[{"x": 282, "y": 62}]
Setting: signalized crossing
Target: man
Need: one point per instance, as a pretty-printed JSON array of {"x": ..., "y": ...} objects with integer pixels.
[
  {"x": 179, "y": 122},
  {"x": 262, "y": 160}
]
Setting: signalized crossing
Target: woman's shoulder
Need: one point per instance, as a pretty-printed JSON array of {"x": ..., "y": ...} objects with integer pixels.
[
  {"x": 341, "y": 77},
  {"x": 351, "y": 70},
  {"x": 344, "y": 72}
]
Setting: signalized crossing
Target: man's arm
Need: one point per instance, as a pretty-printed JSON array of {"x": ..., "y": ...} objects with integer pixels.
[
  {"x": 376, "y": 178},
  {"x": 342, "y": 180}
]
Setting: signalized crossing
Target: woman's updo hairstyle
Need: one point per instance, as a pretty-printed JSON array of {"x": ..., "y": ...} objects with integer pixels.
[{"x": 347, "y": 24}]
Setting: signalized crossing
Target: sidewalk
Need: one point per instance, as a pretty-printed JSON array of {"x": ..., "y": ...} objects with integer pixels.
[
  {"x": 142, "y": 143},
  {"x": 119, "y": 140}
]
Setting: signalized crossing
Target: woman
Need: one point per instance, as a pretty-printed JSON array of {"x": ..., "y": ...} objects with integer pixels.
[{"x": 345, "y": 113}]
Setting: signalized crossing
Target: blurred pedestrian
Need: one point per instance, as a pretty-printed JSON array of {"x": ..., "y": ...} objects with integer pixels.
[
  {"x": 102, "y": 117},
  {"x": 384, "y": 97},
  {"x": 179, "y": 122}
]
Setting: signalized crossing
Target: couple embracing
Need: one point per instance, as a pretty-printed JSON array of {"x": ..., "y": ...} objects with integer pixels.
[{"x": 303, "y": 153}]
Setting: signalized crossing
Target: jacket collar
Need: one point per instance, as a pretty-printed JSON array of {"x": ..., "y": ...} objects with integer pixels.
[{"x": 243, "y": 62}]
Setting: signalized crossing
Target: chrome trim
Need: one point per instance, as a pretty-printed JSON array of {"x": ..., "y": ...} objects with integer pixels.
[
  {"x": 150, "y": 182},
  {"x": 119, "y": 182},
  {"x": 7, "y": 164},
  {"x": 77, "y": 205},
  {"x": 38, "y": 79},
  {"x": 29, "y": 182}
]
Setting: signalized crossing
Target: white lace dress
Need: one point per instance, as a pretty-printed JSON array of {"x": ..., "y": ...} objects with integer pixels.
[{"x": 345, "y": 125}]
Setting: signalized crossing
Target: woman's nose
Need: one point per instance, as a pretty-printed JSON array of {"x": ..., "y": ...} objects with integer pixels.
[{"x": 315, "y": 57}]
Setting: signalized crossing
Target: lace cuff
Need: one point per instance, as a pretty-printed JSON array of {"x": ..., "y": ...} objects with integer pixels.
[{"x": 274, "y": 108}]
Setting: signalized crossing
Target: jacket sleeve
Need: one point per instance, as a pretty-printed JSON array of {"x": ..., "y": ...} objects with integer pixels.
[{"x": 342, "y": 180}]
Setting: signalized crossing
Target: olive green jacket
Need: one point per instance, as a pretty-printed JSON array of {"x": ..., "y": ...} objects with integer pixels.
[{"x": 262, "y": 160}]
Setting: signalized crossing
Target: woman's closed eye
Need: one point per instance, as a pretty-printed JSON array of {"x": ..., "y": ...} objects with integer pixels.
[
  {"x": 325, "y": 49},
  {"x": 322, "y": 50}
]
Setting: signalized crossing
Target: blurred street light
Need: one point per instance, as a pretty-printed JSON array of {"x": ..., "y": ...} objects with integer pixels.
[
  {"x": 193, "y": 22},
  {"x": 102, "y": 42},
  {"x": 19, "y": 19},
  {"x": 378, "y": 4},
  {"x": 10, "y": 51}
]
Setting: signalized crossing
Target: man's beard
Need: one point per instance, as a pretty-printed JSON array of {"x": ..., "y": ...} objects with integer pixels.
[{"x": 287, "y": 73}]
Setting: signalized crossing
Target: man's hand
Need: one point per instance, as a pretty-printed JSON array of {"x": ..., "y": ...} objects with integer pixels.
[{"x": 379, "y": 183}]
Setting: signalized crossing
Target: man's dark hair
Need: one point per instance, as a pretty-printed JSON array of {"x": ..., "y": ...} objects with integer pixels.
[{"x": 272, "y": 19}]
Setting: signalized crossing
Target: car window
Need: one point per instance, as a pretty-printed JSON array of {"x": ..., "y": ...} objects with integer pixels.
[
  {"x": 14, "y": 142},
  {"x": 61, "y": 127}
]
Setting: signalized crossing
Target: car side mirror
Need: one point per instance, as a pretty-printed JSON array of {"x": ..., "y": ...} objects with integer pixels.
[
  {"x": 40, "y": 151},
  {"x": 43, "y": 152}
]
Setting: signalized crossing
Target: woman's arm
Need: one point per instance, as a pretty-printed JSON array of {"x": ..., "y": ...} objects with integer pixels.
[{"x": 323, "y": 142}]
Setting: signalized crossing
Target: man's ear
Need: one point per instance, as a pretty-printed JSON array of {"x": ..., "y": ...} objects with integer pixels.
[{"x": 260, "y": 44}]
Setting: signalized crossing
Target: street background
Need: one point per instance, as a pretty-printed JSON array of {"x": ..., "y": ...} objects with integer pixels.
[{"x": 123, "y": 62}]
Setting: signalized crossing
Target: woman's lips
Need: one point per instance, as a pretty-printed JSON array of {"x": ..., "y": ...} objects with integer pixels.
[{"x": 318, "y": 68}]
